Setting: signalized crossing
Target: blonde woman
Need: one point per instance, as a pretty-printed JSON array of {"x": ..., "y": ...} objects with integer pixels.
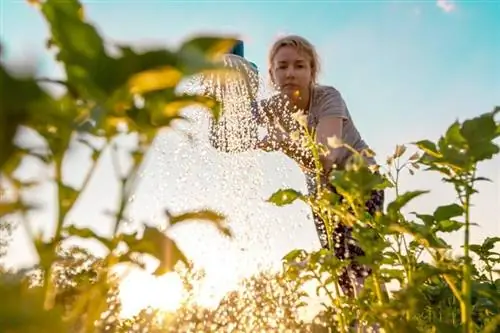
[{"x": 293, "y": 69}]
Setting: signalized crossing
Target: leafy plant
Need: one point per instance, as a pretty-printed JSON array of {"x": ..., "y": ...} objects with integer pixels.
[
  {"x": 394, "y": 242},
  {"x": 108, "y": 95},
  {"x": 105, "y": 97}
]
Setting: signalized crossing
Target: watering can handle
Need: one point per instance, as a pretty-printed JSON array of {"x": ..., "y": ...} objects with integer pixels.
[{"x": 239, "y": 50}]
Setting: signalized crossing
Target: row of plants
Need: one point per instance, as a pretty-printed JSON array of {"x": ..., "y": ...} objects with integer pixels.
[
  {"x": 451, "y": 292},
  {"x": 134, "y": 94}
]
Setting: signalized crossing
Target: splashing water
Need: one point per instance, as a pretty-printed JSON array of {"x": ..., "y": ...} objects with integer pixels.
[
  {"x": 222, "y": 171},
  {"x": 206, "y": 164}
]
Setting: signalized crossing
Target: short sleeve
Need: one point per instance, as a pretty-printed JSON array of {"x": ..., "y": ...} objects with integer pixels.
[{"x": 331, "y": 103}]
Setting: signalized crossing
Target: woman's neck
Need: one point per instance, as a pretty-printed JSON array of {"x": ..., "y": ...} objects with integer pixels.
[{"x": 302, "y": 102}]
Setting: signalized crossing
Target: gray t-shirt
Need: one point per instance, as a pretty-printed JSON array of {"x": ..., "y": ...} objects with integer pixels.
[{"x": 325, "y": 101}]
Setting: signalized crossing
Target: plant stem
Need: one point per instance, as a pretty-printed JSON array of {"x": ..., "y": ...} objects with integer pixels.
[
  {"x": 59, "y": 183},
  {"x": 466, "y": 304},
  {"x": 376, "y": 280}
]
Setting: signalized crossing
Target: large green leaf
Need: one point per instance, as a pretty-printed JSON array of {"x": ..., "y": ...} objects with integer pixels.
[
  {"x": 203, "y": 215},
  {"x": 22, "y": 310},
  {"x": 87, "y": 233},
  {"x": 481, "y": 147},
  {"x": 155, "y": 243},
  {"x": 210, "y": 46},
  {"x": 80, "y": 47},
  {"x": 447, "y": 212},
  {"x": 20, "y": 95},
  {"x": 402, "y": 200}
]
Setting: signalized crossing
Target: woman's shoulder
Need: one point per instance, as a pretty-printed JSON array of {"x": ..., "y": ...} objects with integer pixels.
[
  {"x": 322, "y": 92},
  {"x": 327, "y": 100}
]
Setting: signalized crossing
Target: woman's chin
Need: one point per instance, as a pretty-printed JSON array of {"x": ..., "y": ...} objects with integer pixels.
[{"x": 288, "y": 92}]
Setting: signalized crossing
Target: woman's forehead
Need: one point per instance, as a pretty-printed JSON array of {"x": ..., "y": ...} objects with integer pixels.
[{"x": 290, "y": 52}]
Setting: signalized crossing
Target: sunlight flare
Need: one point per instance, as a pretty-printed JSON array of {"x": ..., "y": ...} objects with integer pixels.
[{"x": 140, "y": 290}]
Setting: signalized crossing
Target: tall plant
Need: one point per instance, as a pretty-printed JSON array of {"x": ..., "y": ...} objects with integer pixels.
[
  {"x": 105, "y": 96},
  {"x": 394, "y": 242}
]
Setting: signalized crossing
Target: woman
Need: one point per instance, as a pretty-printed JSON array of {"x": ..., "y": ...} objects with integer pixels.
[{"x": 293, "y": 68}]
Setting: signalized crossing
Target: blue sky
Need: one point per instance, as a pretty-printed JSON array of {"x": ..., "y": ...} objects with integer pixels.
[{"x": 407, "y": 69}]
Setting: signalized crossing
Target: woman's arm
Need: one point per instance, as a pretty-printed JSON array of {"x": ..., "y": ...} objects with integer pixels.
[
  {"x": 331, "y": 112},
  {"x": 329, "y": 127}
]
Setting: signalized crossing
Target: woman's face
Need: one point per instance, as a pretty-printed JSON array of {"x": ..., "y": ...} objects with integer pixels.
[{"x": 291, "y": 71}]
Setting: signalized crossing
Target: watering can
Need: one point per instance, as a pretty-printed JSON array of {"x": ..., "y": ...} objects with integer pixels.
[{"x": 228, "y": 135}]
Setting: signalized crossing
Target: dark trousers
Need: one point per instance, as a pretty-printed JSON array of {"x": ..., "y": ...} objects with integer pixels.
[{"x": 345, "y": 246}]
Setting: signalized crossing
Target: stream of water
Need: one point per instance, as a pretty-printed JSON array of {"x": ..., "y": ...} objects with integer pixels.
[{"x": 188, "y": 172}]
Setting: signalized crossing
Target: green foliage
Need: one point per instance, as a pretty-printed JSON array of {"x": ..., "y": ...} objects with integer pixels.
[
  {"x": 448, "y": 294},
  {"x": 105, "y": 96},
  {"x": 135, "y": 93}
]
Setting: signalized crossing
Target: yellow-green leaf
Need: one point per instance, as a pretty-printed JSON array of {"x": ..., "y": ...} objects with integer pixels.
[
  {"x": 155, "y": 243},
  {"x": 204, "y": 215},
  {"x": 154, "y": 79},
  {"x": 211, "y": 47}
]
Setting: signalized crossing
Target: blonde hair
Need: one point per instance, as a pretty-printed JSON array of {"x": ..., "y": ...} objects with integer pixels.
[{"x": 303, "y": 46}]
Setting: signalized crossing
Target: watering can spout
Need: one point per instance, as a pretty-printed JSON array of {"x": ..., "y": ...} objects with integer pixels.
[{"x": 230, "y": 133}]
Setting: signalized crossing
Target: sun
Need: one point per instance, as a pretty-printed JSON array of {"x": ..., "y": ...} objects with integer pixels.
[{"x": 139, "y": 290}]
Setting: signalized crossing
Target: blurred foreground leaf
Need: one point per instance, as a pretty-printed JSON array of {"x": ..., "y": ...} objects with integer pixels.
[
  {"x": 21, "y": 310},
  {"x": 155, "y": 243}
]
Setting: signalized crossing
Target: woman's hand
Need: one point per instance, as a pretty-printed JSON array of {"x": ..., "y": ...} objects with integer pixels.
[{"x": 274, "y": 141}]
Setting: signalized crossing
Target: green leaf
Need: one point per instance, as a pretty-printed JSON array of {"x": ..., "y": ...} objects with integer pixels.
[
  {"x": 427, "y": 219},
  {"x": 448, "y": 225},
  {"x": 211, "y": 47},
  {"x": 453, "y": 147},
  {"x": 8, "y": 208},
  {"x": 484, "y": 124},
  {"x": 149, "y": 71},
  {"x": 155, "y": 243},
  {"x": 22, "y": 310},
  {"x": 428, "y": 147},
  {"x": 204, "y": 215},
  {"x": 46, "y": 252},
  {"x": 66, "y": 20},
  {"x": 478, "y": 249},
  {"x": 284, "y": 197},
  {"x": 155, "y": 79},
  {"x": 395, "y": 206},
  {"x": 447, "y": 212},
  {"x": 422, "y": 234},
  {"x": 67, "y": 197},
  {"x": 490, "y": 242},
  {"x": 20, "y": 94},
  {"x": 293, "y": 255},
  {"x": 80, "y": 47},
  {"x": 87, "y": 233}
]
